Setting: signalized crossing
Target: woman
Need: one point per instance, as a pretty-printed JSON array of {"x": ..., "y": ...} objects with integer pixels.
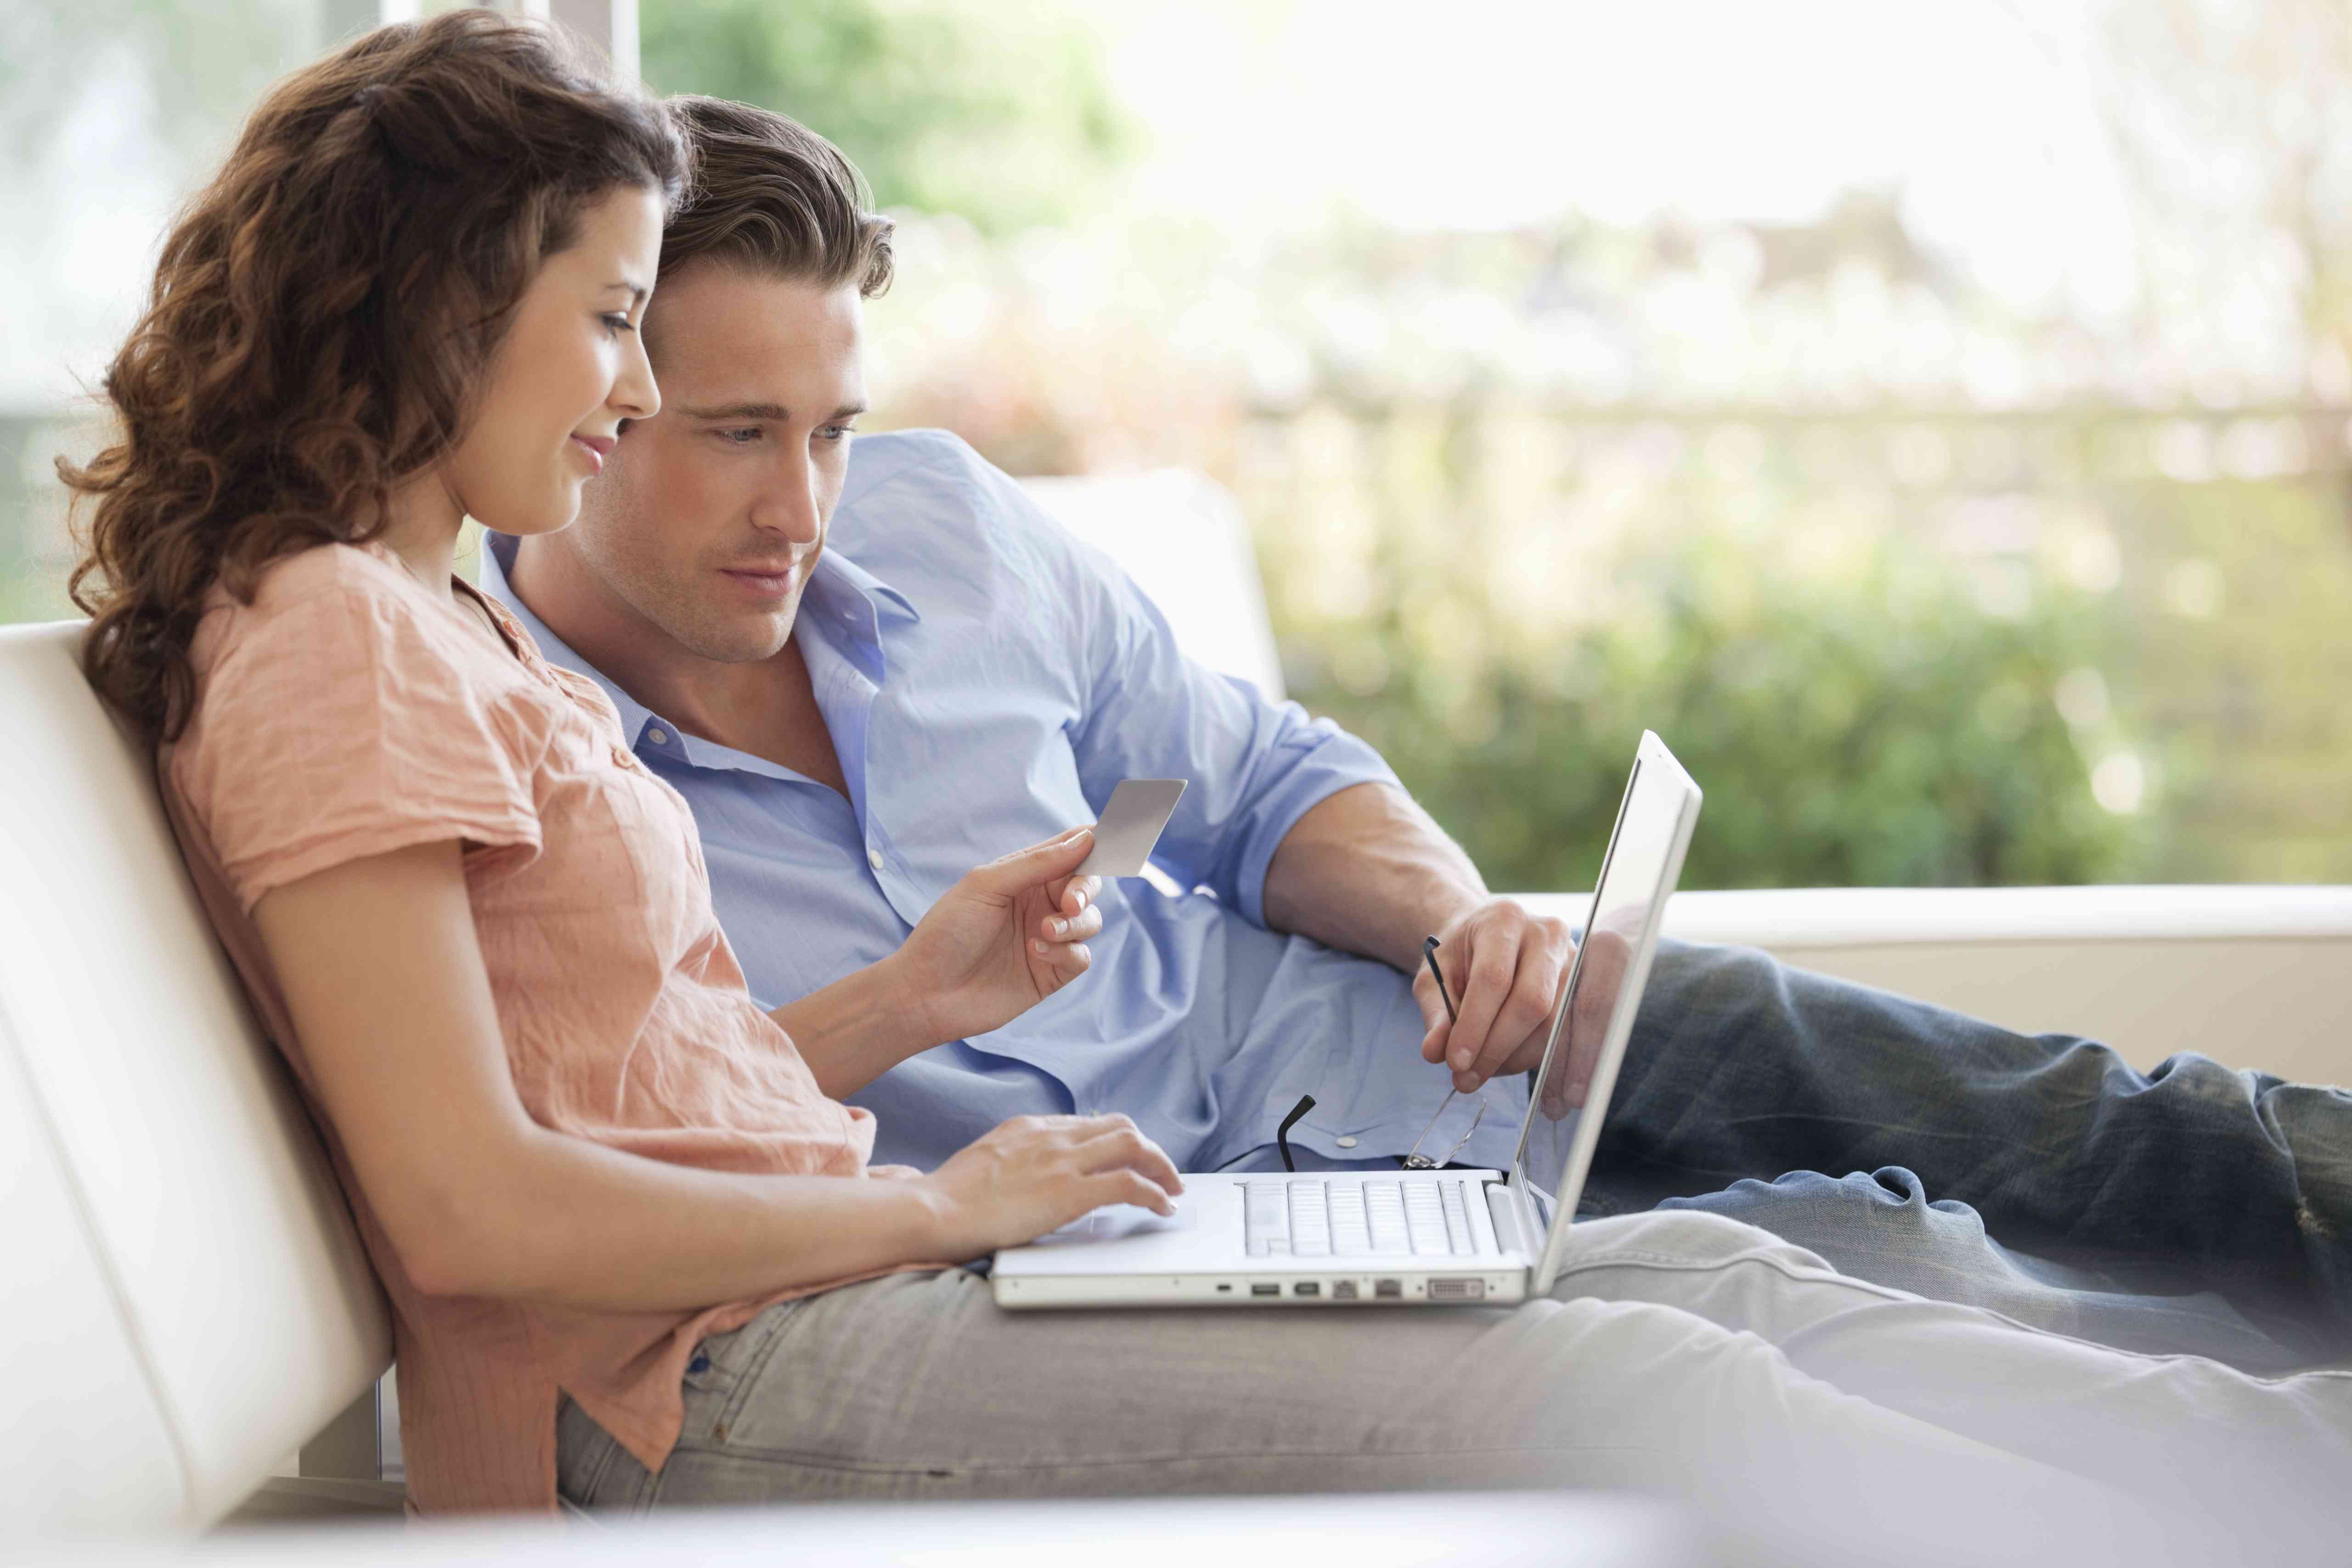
[
  {"x": 413, "y": 295},
  {"x": 594, "y": 1177}
]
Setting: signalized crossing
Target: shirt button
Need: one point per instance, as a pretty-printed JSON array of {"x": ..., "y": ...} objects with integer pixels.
[
  {"x": 874, "y": 859},
  {"x": 1345, "y": 1142},
  {"x": 657, "y": 737}
]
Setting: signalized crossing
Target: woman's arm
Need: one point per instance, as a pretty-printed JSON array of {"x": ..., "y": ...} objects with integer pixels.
[
  {"x": 384, "y": 977},
  {"x": 1005, "y": 937}
]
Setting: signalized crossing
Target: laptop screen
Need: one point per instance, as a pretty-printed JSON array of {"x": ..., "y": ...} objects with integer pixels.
[{"x": 1595, "y": 1017}]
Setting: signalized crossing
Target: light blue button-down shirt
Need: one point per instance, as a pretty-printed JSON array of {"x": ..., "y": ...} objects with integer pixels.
[{"x": 988, "y": 680}]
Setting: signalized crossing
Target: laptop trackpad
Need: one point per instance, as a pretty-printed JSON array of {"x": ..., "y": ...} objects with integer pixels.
[{"x": 1114, "y": 1220}]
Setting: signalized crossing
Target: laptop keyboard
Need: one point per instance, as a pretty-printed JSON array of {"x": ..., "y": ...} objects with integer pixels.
[{"x": 1357, "y": 1220}]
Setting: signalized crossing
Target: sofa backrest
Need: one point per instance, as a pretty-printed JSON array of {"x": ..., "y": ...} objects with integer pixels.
[
  {"x": 1182, "y": 536},
  {"x": 183, "y": 1299}
]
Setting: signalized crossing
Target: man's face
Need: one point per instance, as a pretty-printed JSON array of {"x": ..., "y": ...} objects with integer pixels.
[{"x": 710, "y": 516}]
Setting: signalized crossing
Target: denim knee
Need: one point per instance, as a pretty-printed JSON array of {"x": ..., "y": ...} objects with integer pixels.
[{"x": 1812, "y": 1192}]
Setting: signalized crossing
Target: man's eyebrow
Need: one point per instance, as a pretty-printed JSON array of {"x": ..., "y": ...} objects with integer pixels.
[{"x": 772, "y": 413}]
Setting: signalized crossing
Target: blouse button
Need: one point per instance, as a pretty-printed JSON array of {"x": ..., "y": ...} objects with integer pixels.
[{"x": 874, "y": 859}]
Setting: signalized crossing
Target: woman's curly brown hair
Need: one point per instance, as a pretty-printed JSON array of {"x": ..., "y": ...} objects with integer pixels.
[{"x": 323, "y": 314}]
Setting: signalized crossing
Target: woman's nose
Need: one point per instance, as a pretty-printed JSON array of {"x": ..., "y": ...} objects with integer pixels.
[{"x": 635, "y": 394}]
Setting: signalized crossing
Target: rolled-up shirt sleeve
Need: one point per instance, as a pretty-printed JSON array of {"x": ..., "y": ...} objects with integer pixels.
[{"x": 1254, "y": 766}]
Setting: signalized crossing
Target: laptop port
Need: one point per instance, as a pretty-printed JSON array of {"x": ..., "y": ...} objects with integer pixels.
[
  {"x": 1343, "y": 1289},
  {"x": 1307, "y": 1288},
  {"x": 1274, "y": 1290},
  {"x": 1388, "y": 1289},
  {"x": 1225, "y": 1290},
  {"x": 1457, "y": 1289}
]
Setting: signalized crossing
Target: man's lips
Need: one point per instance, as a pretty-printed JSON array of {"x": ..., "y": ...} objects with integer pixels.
[{"x": 772, "y": 581}]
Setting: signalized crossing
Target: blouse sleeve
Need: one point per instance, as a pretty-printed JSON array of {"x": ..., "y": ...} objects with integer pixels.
[{"x": 339, "y": 726}]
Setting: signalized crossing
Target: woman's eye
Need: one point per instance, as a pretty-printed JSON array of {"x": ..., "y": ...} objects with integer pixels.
[{"x": 618, "y": 324}]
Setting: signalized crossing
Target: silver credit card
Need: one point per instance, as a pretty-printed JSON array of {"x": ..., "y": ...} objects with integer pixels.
[{"x": 1130, "y": 825}]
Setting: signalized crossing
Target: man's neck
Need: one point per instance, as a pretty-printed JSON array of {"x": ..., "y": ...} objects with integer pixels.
[{"x": 766, "y": 708}]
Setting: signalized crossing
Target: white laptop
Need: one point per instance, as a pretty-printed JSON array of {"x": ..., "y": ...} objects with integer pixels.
[{"x": 1348, "y": 1238}]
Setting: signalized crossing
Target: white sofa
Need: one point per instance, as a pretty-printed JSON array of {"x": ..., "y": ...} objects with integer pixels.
[{"x": 183, "y": 1303}]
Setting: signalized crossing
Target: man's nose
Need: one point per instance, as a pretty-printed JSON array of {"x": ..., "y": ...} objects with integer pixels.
[{"x": 790, "y": 504}]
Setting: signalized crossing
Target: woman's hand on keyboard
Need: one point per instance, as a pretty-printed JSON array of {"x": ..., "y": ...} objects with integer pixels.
[{"x": 1036, "y": 1173}]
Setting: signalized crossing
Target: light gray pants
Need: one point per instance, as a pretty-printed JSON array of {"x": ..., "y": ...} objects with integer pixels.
[{"x": 1680, "y": 1352}]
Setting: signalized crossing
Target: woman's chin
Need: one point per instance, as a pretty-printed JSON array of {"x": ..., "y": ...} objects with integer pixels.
[{"x": 560, "y": 513}]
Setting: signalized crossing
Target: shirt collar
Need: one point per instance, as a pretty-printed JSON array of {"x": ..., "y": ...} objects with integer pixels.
[
  {"x": 498, "y": 556},
  {"x": 842, "y": 591}
]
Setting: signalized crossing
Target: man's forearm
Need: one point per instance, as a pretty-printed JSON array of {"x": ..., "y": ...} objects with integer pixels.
[{"x": 1368, "y": 871}]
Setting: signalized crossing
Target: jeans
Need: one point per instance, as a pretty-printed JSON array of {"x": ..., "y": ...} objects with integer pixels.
[
  {"x": 1881, "y": 1226},
  {"x": 1679, "y": 1353},
  {"x": 2188, "y": 1208}
]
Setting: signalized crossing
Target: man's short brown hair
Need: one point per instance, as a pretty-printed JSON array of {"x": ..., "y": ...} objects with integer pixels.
[{"x": 771, "y": 196}]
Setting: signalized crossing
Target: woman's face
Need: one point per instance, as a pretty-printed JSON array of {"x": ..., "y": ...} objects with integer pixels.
[{"x": 569, "y": 370}]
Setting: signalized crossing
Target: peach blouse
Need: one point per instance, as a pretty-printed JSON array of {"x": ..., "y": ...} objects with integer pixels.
[{"x": 348, "y": 711}]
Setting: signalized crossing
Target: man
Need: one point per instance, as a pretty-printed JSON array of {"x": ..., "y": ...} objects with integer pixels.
[{"x": 868, "y": 673}]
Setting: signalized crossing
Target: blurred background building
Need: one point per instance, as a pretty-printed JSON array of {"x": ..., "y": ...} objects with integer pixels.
[{"x": 1936, "y": 421}]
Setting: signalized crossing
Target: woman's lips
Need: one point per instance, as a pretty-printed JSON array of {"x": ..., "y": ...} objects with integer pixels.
[{"x": 595, "y": 448}]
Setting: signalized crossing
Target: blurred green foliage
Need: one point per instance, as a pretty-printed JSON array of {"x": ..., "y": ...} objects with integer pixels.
[
  {"x": 1872, "y": 729},
  {"x": 1001, "y": 116}
]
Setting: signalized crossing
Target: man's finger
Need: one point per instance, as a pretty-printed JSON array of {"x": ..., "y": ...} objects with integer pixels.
[
  {"x": 1522, "y": 1015},
  {"x": 1493, "y": 965},
  {"x": 1425, "y": 993}
]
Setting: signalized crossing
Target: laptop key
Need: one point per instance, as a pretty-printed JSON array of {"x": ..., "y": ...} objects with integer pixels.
[
  {"x": 1351, "y": 1230},
  {"x": 1384, "y": 1206},
  {"x": 1310, "y": 1224},
  {"x": 1457, "y": 1221},
  {"x": 1424, "y": 1219},
  {"x": 1266, "y": 1217}
]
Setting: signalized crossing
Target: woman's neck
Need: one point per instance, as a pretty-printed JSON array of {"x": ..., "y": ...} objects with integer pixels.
[{"x": 426, "y": 519}]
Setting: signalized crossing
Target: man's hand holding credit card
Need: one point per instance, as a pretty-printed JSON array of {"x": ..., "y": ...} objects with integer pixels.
[{"x": 1130, "y": 827}]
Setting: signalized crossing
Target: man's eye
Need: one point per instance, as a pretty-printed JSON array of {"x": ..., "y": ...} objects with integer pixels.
[
  {"x": 836, "y": 432},
  {"x": 741, "y": 435}
]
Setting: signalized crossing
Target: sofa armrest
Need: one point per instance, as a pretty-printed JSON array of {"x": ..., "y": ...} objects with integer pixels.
[{"x": 2253, "y": 976}]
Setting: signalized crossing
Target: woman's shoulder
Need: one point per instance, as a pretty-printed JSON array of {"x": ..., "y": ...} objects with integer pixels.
[
  {"x": 352, "y": 588},
  {"x": 335, "y": 626},
  {"x": 347, "y": 571}
]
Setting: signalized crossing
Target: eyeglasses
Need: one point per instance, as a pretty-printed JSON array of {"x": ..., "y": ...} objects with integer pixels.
[{"x": 1414, "y": 1160}]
